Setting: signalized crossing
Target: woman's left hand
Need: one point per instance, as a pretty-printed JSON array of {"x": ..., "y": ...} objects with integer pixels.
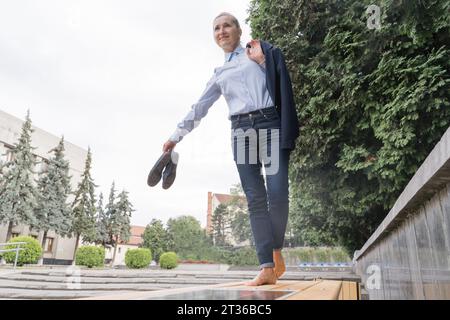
[{"x": 255, "y": 53}]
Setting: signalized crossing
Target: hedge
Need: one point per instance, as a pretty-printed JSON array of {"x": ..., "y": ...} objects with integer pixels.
[
  {"x": 168, "y": 260},
  {"x": 90, "y": 256},
  {"x": 138, "y": 258},
  {"x": 30, "y": 254}
]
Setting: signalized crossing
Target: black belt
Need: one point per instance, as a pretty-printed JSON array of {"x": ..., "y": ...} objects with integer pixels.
[{"x": 251, "y": 114}]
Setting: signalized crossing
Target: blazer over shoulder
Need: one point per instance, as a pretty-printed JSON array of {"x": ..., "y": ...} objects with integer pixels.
[{"x": 279, "y": 86}]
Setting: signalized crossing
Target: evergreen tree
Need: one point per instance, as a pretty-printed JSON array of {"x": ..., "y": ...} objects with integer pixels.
[
  {"x": 110, "y": 212},
  {"x": 18, "y": 193},
  {"x": 240, "y": 221},
  {"x": 155, "y": 238},
  {"x": 372, "y": 104},
  {"x": 53, "y": 211},
  {"x": 220, "y": 225},
  {"x": 102, "y": 224},
  {"x": 83, "y": 206},
  {"x": 120, "y": 220},
  {"x": 240, "y": 226}
]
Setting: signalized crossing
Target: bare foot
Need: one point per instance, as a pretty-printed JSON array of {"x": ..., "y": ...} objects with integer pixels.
[
  {"x": 280, "y": 267},
  {"x": 265, "y": 276}
]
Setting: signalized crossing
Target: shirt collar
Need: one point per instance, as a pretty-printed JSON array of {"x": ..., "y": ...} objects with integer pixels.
[{"x": 239, "y": 49}]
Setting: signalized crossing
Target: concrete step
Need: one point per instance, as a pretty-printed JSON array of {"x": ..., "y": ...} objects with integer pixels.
[
  {"x": 150, "y": 274},
  {"x": 102, "y": 280},
  {"x": 12, "y": 294},
  {"x": 47, "y": 286}
]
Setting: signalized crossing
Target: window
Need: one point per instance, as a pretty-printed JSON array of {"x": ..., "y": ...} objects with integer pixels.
[
  {"x": 49, "y": 244},
  {"x": 6, "y": 155},
  {"x": 9, "y": 155}
]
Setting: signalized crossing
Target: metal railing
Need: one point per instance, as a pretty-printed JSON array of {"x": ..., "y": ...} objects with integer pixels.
[{"x": 16, "y": 249}]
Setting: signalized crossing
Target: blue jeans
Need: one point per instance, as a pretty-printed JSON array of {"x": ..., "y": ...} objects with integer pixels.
[{"x": 255, "y": 141}]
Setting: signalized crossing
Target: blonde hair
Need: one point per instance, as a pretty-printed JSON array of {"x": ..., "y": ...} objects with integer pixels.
[{"x": 233, "y": 18}]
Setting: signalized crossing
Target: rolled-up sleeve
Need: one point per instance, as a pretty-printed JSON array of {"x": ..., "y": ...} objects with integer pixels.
[{"x": 198, "y": 110}]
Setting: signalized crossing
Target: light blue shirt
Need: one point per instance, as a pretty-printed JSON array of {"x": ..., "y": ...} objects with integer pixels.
[{"x": 240, "y": 80}]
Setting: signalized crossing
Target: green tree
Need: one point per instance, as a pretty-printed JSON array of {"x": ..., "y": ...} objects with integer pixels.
[
  {"x": 186, "y": 236},
  {"x": 53, "y": 212},
  {"x": 120, "y": 220},
  {"x": 372, "y": 104},
  {"x": 84, "y": 206},
  {"x": 240, "y": 226},
  {"x": 240, "y": 221},
  {"x": 221, "y": 224},
  {"x": 102, "y": 224},
  {"x": 18, "y": 194},
  {"x": 156, "y": 238}
]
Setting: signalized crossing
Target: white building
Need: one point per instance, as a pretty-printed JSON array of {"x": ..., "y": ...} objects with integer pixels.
[
  {"x": 214, "y": 200},
  {"x": 134, "y": 242},
  {"x": 58, "y": 250}
]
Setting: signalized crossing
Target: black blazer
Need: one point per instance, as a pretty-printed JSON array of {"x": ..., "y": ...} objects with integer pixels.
[{"x": 280, "y": 90}]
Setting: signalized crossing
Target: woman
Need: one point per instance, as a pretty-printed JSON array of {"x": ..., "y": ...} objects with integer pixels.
[{"x": 253, "y": 94}]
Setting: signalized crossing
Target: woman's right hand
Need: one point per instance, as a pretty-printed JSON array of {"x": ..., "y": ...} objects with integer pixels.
[{"x": 169, "y": 145}]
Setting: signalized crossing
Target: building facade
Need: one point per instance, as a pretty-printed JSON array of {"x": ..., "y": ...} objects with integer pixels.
[
  {"x": 134, "y": 242},
  {"x": 58, "y": 250},
  {"x": 214, "y": 200}
]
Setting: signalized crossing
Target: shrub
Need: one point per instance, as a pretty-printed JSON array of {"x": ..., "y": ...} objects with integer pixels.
[
  {"x": 138, "y": 258},
  {"x": 305, "y": 255},
  {"x": 321, "y": 255},
  {"x": 168, "y": 260},
  {"x": 245, "y": 256},
  {"x": 90, "y": 256},
  {"x": 339, "y": 255},
  {"x": 30, "y": 254}
]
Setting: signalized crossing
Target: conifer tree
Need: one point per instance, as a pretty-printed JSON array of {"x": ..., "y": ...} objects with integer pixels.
[
  {"x": 221, "y": 224},
  {"x": 372, "y": 104},
  {"x": 18, "y": 193},
  {"x": 120, "y": 220},
  {"x": 84, "y": 206},
  {"x": 102, "y": 225},
  {"x": 53, "y": 212}
]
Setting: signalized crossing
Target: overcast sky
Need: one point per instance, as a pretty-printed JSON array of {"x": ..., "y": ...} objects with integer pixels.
[{"x": 118, "y": 76}]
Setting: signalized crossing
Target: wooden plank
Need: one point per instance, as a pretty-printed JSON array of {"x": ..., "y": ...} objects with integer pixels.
[
  {"x": 342, "y": 292},
  {"x": 280, "y": 284},
  {"x": 299, "y": 285},
  {"x": 324, "y": 290},
  {"x": 354, "y": 290},
  {"x": 349, "y": 291}
]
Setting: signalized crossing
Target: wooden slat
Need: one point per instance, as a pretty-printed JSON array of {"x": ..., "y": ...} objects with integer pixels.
[
  {"x": 349, "y": 291},
  {"x": 324, "y": 290},
  {"x": 280, "y": 284},
  {"x": 353, "y": 286},
  {"x": 299, "y": 285}
]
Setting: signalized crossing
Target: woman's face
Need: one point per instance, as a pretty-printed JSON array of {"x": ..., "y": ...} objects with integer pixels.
[{"x": 226, "y": 34}]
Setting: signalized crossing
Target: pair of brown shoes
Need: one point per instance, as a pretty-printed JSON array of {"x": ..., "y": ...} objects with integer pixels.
[{"x": 167, "y": 162}]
